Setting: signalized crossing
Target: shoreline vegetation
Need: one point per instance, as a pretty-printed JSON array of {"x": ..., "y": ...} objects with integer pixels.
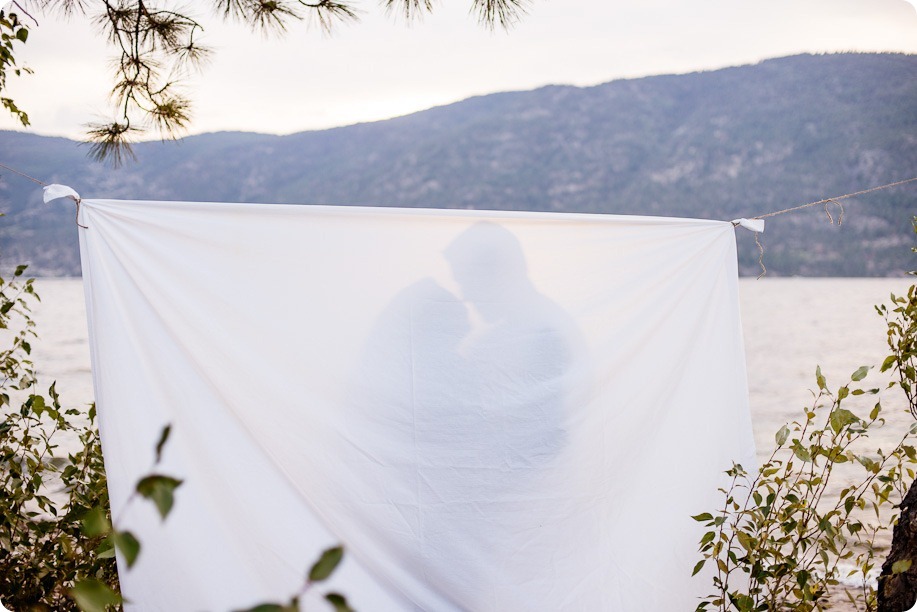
[{"x": 781, "y": 535}]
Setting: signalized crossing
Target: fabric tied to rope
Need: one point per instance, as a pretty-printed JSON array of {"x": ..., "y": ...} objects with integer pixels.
[
  {"x": 56, "y": 192},
  {"x": 755, "y": 225}
]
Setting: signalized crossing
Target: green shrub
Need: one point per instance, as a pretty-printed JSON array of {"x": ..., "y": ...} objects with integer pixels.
[
  {"x": 44, "y": 495},
  {"x": 781, "y": 537}
]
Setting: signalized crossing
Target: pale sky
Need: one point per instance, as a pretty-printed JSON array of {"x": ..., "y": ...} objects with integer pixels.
[{"x": 382, "y": 67}]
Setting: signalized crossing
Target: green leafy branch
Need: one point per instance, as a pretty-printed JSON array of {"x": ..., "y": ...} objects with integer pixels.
[
  {"x": 897, "y": 583},
  {"x": 44, "y": 496},
  {"x": 93, "y": 595},
  {"x": 321, "y": 570},
  {"x": 13, "y": 33},
  {"x": 778, "y": 539}
]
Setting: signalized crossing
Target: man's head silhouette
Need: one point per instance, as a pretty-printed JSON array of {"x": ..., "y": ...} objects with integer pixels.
[{"x": 489, "y": 266}]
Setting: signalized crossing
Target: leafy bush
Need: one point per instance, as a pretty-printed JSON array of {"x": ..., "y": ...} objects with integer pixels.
[
  {"x": 781, "y": 536},
  {"x": 44, "y": 495},
  {"x": 778, "y": 540}
]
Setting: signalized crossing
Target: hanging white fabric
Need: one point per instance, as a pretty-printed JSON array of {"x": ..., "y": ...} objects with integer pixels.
[{"x": 489, "y": 410}]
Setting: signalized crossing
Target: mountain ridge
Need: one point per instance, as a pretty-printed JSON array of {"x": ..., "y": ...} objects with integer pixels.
[{"x": 727, "y": 143}]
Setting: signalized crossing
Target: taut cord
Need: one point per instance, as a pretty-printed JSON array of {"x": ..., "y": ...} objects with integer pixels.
[{"x": 23, "y": 174}]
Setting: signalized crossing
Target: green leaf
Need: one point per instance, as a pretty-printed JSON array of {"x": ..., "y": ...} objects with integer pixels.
[
  {"x": 37, "y": 404},
  {"x": 901, "y": 566},
  {"x": 326, "y": 564},
  {"x": 160, "y": 489},
  {"x": 889, "y": 362},
  {"x": 95, "y": 523},
  {"x": 842, "y": 417},
  {"x": 91, "y": 595},
  {"x": 22, "y": 34},
  {"x": 107, "y": 553},
  {"x": 782, "y": 435},
  {"x": 860, "y": 374},
  {"x": 698, "y": 567},
  {"x": 848, "y": 504},
  {"x": 706, "y": 516},
  {"x": 822, "y": 383},
  {"x": 163, "y": 437},
  {"x": 128, "y": 545},
  {"x": 293, "y": 606},
  {"x": 842, "y": 393},
  {"x": 745, "y": 541},
  {"x": 339, "y": 602},
  {"x": 875, "y": 412}
]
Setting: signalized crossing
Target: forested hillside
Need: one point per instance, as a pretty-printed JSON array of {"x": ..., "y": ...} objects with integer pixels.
[{"x": 720, "y": 144}]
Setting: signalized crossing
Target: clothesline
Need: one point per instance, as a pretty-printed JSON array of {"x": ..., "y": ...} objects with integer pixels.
[
  {"x": 825, "y": 202},
  {"x": 23, "y": 174},
  {"x": 835, "y": 200}
]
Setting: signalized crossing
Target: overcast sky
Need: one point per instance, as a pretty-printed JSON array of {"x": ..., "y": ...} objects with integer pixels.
[{"x": 382, "y": 67}]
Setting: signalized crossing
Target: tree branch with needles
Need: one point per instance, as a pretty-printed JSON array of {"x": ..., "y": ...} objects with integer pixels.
[{"x": 158, "y": 47}]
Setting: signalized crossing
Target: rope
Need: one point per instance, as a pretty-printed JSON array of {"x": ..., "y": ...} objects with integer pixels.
[
  {"x": 825, "y": 202},
  {"x": 23, "y": 174},
  {"x": 760, "y": 256},
  {"x": 43, "y": 184},
  {"x": 834, "y": 200}
]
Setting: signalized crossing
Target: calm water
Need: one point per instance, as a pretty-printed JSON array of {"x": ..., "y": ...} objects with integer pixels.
[{"x": 792, "y": 325}]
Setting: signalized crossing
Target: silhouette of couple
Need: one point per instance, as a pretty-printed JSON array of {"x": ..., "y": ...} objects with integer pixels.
[{"x": 465, "y": 398}]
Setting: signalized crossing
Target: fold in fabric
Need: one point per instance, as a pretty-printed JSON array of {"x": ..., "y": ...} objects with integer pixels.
[{"x": 490, "y": 411}]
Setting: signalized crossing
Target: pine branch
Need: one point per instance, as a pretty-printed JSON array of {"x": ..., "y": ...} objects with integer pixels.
[
  {"x": 157, "y": 47},
  {"x": 505, "y": 13},
  {"x": 411, "y": 9}
]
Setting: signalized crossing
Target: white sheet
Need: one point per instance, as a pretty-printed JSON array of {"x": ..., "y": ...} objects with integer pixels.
[{"x": 490, "y": 410}]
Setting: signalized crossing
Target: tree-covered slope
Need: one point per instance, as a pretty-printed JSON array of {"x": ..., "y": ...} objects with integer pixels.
[{"x": 720, "y": 144}]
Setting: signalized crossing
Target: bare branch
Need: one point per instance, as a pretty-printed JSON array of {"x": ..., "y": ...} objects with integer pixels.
[{"x": 24, "y": 12}]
